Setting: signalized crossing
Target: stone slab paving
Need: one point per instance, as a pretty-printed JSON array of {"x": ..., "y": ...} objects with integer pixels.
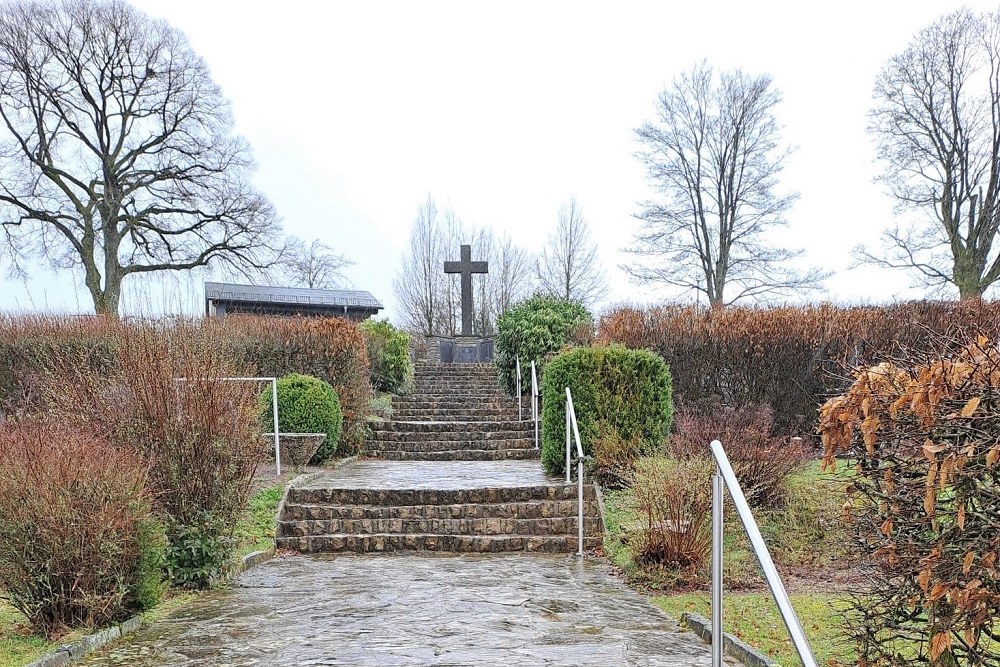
[
  {"x": 437, "y": 475},
  {"x": 416, "y": 610}
]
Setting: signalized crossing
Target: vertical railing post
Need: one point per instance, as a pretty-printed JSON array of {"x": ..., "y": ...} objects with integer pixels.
[
  {"x": 718, "y": 491},
  {"x": 519, "y": 402},
  {"x": 534, "y": 400},
  {"x": 569, "y": 406},
  {"x": 277, "y": 440},
  {"x": 579, "y": 518}
]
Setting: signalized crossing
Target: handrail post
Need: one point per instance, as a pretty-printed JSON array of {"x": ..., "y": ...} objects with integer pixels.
[
  {"x": 569, "y": 406},
  {"x": 718, "y": 491},
  {"x": 277, "y": 441},
  {"x": 579, "y": 518},
  {"x": 534, "y": 400},
  {"x": 519, "y": 389},
  {"x": 728, "y": 475}
]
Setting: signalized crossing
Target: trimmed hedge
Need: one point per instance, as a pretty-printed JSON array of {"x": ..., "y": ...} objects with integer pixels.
[
  {"x": 533, "y": 329},
  {"x": 626, "y": 391},
  {"x": 331, "y": 349},
  {"x": 388, "y": 356},
  {"x": 306, "y": 405},
  {"x": 790, "y": 359}
]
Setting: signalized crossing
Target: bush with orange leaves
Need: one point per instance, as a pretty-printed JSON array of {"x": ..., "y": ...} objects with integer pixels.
[{"x": 925, "y": 431}]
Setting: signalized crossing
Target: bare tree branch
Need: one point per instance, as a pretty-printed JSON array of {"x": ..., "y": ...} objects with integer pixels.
[
  {"x": 937, "y": 124},
  {"x": 116, "y": 149},
  {"x": 315, "y": 266},
  {"x": 568, "y": 266},
  {"x": 714, "y": 155}
]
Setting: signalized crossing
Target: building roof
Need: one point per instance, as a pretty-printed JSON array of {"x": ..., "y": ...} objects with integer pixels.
[{"x": 290, "y": 295}]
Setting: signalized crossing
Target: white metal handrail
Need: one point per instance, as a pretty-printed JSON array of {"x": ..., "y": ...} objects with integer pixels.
[
  {"x": 724, "y": 478},
  {"x": 571, "y": 424},
  {"x": 274, "y": 410},
  {"x": 534, "y": 399},
  {"x": 518, "y": 368}
]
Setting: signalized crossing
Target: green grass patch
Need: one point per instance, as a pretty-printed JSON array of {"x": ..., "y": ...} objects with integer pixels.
[
  {"x": 754, "y": 618},
  {"x": 255, "y": 531}
]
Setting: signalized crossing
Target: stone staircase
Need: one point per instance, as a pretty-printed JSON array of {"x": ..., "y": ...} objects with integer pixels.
[
  {"x": 455, "y": 413},
  {"x": 454, "y": 471}
]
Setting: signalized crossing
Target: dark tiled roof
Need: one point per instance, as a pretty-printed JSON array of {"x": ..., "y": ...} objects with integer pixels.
[{"x": 289, "y": 295}]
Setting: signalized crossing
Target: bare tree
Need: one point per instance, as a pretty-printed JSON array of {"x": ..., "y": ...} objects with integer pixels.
[
  {"x": 420, "y": 278},
  {"x": 118, "y": 155},
  {"x": 315, "y": 266},
  {"x": 430, "y": 300},
  {"x": 568, "y": 266},
  {"x": 510, "y": 278},
  {"x": 714, "y": 155},
  {"x": 937, "y": 124}
]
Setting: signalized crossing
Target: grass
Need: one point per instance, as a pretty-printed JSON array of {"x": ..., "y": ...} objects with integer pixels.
[
  {"x": 754, "y": 618},
  {"x": 256, "y": 531},
  {"x": 253, "y": 533}
]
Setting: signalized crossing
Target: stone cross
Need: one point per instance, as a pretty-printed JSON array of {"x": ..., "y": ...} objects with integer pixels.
[{"x": 466, "y": 267}]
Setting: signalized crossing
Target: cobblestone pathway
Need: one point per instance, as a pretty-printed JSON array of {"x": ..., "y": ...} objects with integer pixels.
[{"x": 416, "y": 610}]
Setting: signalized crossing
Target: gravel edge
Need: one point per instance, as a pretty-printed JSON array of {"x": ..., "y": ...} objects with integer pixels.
[{"x": 731, "y": 646}]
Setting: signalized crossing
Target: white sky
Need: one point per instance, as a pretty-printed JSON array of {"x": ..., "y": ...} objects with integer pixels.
[{"x": 356, "y": 111}]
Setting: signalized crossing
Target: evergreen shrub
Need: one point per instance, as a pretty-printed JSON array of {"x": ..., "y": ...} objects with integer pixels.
[
  {"x": 534, "y": 329},
  {"x": 306, "y": 405},
  {"x": 627, "y": 392},
  {"x": 388, "y": 356}
]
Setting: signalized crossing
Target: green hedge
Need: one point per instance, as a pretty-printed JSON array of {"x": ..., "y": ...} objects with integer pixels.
[
  {"x": 306, "y": 405},
  {"x": 627, "y": 391},
  {"x": 388, "y": 356},
  {"x": 533, "y": 329}
]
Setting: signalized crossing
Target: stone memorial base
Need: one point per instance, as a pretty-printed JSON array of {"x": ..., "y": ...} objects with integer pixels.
[{"x": 460, "y": 349}]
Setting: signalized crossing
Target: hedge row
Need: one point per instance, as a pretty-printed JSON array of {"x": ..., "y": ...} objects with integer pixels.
[
  {"x": 790, "y": 359},
  {"x": 330, "y": 349}
]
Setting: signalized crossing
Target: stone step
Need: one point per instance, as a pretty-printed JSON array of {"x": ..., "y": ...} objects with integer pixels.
[
  {"x": 472, "y": 426},
  {"x": 450, "y": 445},
  {"x": 448, "y": 401},
  {"x": 341, "y": 543},
  {"x": 563, "y": 525},
  {"x": 457, "y": 455},
  {"x": 467, "y": 393},
  {"x": 455, "y": 414},
  {"x": 528, "y": 509},
  {"x": 465, "y": 435},
  {"x": 480, "y": 495}
]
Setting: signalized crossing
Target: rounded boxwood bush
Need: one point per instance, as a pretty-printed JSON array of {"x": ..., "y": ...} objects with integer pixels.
[
  {"x": 306, "y": 405},
  {"x": 532, "y": 329},
  {"x": 615, "y": 390}
]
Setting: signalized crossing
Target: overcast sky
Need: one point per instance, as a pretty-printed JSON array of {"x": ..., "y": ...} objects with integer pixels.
[{"x": 356, "y": 111}]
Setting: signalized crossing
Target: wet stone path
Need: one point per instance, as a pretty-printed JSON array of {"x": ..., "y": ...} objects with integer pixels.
[
  {"x": 438, "y": 475},
  {"x": 416, "y": 610}
]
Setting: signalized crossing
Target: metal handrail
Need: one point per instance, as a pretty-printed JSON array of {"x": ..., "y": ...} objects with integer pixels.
[
  {"x": 534, "y": 399},
  {"x": 571, "y": 423},
  {"x": 518, "y": 368},
  {"x": 724, "y": 478}
]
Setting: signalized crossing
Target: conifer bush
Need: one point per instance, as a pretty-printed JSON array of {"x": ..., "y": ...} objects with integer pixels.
[
  {"x": 79, "y": 544},
  {"x": 533, "y": 330},
  {"x": 615, "y": 389},
  {"x": 388, "y": 356},
  {"x": 306, "y": 405},
  {"x": 924, "y": 428}
]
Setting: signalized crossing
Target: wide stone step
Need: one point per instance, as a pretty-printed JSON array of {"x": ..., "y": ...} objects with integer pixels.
[
  {"x": 455, "y": 414},
  {"x": 472, "y": 426},
  {"x": 529, "y": 509},
  {"x": 454, "y": 402},
  {"x": 563, "y": 525},
  {"x": 481, "y": 495},
  {"x": 340, "y": 543},
  {"x": 458, "y": 435},
  {"x": 450, "y": 445},
  {"x": 457, "y": 455}
]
